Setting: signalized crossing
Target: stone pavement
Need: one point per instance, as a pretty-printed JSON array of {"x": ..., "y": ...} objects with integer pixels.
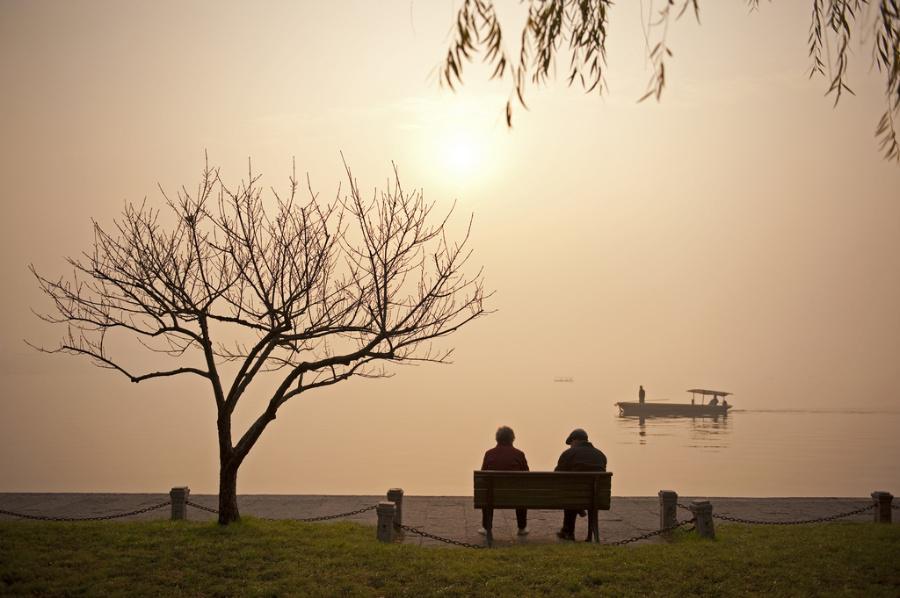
[{"x": 447, "y": 516}]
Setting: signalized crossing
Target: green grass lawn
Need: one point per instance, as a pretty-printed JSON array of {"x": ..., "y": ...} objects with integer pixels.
[{"x": 269, "y": 558}]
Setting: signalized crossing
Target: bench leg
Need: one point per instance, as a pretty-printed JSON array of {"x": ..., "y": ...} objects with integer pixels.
[
  {"x": 593, "y": 527},
  {"x": 487, "y": 522}
]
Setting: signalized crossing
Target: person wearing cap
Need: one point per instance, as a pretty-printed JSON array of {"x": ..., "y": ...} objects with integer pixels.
[
  {"x": 504, "y": 457},
  {"x": 580, "y": 456}
]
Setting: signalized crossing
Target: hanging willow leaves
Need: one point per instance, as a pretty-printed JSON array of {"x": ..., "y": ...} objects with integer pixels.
[{"x": 580, "y": 28}]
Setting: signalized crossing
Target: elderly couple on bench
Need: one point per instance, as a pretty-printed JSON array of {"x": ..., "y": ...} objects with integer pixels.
[{"x": 580, "y": 456}]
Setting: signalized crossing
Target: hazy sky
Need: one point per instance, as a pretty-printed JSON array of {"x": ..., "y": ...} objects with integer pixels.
[{"x": 741, "y": 234}]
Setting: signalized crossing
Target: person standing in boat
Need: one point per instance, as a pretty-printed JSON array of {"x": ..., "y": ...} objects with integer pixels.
[
  {"x": 641, "y": 395},
  {"x": 714, "y": 401}
]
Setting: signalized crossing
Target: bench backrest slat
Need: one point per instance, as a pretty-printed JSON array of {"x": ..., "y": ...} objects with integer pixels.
[{"x": 543, "y": 489}]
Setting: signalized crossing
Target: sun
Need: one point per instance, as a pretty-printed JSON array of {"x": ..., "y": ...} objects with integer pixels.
[
  {"x": 462, "y": 155},
  {"x": 457, "y": 141}
]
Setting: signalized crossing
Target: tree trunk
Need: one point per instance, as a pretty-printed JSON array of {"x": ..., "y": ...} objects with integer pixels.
[
  {"x": 231, "y": 457},
  {"x": 228, "y": 469},
  {"x": 228, "y": 508}
]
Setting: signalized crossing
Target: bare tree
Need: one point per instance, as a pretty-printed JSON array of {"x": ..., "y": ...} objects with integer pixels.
[
  {"x": 315, "y": 291},
  {"x": 580, "y": 28}
]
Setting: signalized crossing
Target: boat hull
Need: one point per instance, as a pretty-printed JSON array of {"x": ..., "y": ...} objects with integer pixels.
[{"x": 671, "y": 410}]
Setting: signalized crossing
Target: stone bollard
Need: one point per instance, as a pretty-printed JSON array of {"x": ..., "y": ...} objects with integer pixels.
[
  {"x": 395, "y": 495},
  {"x": 668, "y": 508},
  {"x": 702, "y": 511},
  {"x": 883, "y": 506},
  {"x": 385, "y": 532},
  {"x": 179, "y": 496}
]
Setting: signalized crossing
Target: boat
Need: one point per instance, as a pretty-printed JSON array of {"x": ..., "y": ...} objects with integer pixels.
[{"x": 714, "y": 408}]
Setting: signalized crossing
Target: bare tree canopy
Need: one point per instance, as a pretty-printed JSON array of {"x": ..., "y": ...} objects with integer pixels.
[
  {"x": 582, "y": 26},
  {"x": 229, "y": 284}
]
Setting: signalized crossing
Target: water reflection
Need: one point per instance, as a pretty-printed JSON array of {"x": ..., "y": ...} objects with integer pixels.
[{"x": 711, "y": 433}]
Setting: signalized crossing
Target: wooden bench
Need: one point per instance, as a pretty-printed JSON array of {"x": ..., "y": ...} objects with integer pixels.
[{"x": 577, "y": 490}]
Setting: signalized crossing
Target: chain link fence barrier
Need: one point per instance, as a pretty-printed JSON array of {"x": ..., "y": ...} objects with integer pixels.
[
  {"x": 160, "y": 506},
  {"x": 201, "y": 507},
  {"x": 339, "y": 515},
  {"x": 824, "y": 519},
  {"x": 419, "y": 532},
  {"x": 637, "y": 538},
  {"x": 305, "y": 519},
  {"x": 656, "y": 532},
  {"x": 91, "y": 518},
  {"x": 424, "y": 534}
]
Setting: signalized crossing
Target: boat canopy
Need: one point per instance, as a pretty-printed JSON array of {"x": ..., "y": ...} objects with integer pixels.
[{"x": 703, "y": 391}]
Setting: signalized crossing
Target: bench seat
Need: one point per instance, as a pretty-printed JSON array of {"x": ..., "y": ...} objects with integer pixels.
[{"x": 576, "y": 490}]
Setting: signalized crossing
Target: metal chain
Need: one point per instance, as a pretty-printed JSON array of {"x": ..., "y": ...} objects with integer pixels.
[
  {"x": 790, "y": 522},
  {"x": 650, "y": 534},
  {"x": 94, "y": 518},
  {"x": 339, "y": 515},
  {"x": 419, "y": 532},
  {"x": 306, "y": 519},
  {"x": 201, "y": 507},
  {"x": 796, "y": 521},
  {"x": 480, "y": 546}
]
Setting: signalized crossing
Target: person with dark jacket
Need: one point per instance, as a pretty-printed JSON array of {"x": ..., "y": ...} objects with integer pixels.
[
  {"x": 581, "y": 456},
  {"x": 504, "y": 457}
]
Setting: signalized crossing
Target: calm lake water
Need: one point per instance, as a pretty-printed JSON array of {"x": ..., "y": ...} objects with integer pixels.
[{"x": 759, "y": 453}]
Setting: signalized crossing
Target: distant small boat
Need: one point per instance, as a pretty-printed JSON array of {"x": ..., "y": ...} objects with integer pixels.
[{"x": 693, "y": 409}]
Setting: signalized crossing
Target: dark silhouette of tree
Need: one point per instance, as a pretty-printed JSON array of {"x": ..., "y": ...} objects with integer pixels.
[
  {"x": 232, "y": 286},
  {"x": 580, "y": 27}
]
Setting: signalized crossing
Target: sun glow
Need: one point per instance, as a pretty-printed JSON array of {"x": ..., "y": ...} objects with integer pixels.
[
  {"x": 458, "y": 138},
  {"x": 463, "y": 155}
]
